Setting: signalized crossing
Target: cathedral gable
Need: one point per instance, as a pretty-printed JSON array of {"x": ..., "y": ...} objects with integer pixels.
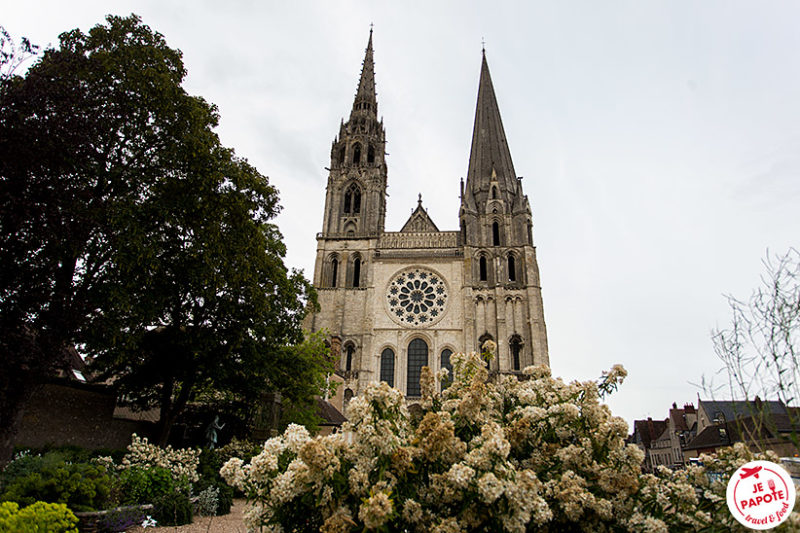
[{"x": 419, "y": 221}]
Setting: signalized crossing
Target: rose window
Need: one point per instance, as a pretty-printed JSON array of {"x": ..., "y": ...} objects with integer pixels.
[{"x": 416, "y": 297}]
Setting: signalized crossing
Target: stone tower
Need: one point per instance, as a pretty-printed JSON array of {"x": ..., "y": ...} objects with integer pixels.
[
  {"x": 394, "y": 301},
  {"x": 497, "y": 233}
]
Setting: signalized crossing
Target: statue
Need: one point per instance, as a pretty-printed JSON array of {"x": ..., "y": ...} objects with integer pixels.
[{"x": 211, "y": 432}]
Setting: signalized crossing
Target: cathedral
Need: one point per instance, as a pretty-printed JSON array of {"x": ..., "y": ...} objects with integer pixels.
[{"x": 395, "y": 301}]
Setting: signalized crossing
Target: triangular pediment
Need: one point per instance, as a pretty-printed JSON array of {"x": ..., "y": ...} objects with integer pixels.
[{"x": 419, "y": 222}]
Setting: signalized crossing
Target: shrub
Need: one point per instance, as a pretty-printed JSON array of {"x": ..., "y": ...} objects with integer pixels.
[
  {"x": 83, "y": 487},
  {"x": 181, "y": 463},
  {"x": 243, "y": 449},
  {"x": 208, "y": 501},
  {"x": 504, "y": 455},
  {"x": 40, "y": 516},
  {"x": 173, "y": 509},
  {"x": 144, "y": 485},
  {"x": 225, "y": 499}
]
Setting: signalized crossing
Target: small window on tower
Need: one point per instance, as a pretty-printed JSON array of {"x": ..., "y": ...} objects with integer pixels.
[
  {"x": 341, "y": 155},
  {"x": 349, "y": 350},
  {"x": 352, "y": 200},
  {"x": 516, "y": 349},
  {"x": 334, "y": 271},
  {"x": 356, "y": 154},
  {"x": 356, "y": 272},
  {"x": 495, "y": 234},
  {"x": 482, "y": 268},
  {"x": 370, "y": 154},
  {"x": 512, "y": 272},
  {"x": 494, "y": 193}
]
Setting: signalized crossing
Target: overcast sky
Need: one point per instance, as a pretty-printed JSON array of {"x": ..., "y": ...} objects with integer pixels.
[{"x": 659, "y": 143}]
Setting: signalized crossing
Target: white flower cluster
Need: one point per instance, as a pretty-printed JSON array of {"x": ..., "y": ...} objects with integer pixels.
[
  {"x": 182, "y": 463},
  {"x": 508, "y": 454}
]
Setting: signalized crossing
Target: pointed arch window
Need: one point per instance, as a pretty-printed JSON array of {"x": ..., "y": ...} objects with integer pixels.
[
  {"x": 349, "y": 350},
  {"x": 445, "y": 363},
  {"x": 371, "y": 154},
  {"x": 356, "y": 153},
  {"x": 516, "y": 350},
  {"x": 482, "y": 270},
  {"x": 387, "y": 366},
  {"x": 341, "y": 155},
  {"x": 417, "y": 358},
  {"x": 356, "y": 272},
  {"x": 512, "y": 270},
  {"x": 334, "y": 272},
  {"x": 352, "y": 200},
  {"x": 494, "y": 193},
  {"x": 495, "y": 234}
]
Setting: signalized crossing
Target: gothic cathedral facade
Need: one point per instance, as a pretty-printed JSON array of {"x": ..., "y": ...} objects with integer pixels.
[{"x": 395, "y": 301}]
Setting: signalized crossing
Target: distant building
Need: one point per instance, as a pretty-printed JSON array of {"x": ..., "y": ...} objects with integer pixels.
[
  {"x": 645, "y": 432},
  {"x": 761, "y": 425}
]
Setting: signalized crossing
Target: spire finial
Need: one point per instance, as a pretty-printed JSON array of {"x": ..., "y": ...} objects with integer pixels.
[
  {"x": 483, "y": 46},
  {"x": 419, "y": 200},
  {"x": 365, "y": 100}
]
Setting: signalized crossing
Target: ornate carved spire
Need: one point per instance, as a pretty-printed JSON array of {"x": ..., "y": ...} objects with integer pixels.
[{"x": 366, "y": 102}]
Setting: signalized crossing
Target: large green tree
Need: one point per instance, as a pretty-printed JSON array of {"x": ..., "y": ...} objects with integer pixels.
[{"x": 128, "y": 230}]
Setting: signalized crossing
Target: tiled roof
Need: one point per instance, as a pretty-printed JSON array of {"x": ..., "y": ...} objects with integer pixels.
[
  {"x": 648, "y": 430},
  {"x": 329, "y": 414},
  {"x": 733, "y": 409}
]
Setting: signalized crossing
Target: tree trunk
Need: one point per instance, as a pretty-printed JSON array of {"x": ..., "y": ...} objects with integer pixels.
[
  {"x": 12, "y": 407},
  {"x": 171, "y": 410}
]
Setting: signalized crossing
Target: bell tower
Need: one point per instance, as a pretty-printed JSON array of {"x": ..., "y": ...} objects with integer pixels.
[
  {"x": 355, "y": 201},
  {"x": 496, "y": 230}
]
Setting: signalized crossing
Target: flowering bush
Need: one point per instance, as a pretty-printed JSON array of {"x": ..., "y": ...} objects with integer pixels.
[
  {"x": 505, "y": 455},
  {"x": 181, "y": 463}
]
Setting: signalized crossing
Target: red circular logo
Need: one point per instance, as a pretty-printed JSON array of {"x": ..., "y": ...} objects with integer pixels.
[{"x": 761, "y": 495}]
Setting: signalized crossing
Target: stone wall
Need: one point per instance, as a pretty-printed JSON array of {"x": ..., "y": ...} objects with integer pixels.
[{"x": 76, "y": 414}]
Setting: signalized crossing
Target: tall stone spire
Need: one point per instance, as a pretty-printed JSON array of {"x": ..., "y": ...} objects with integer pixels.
[
  {"x": 489, "y": 155},
  {"x": 355, "y": 204},
  {"x": 366, "y": 102}
]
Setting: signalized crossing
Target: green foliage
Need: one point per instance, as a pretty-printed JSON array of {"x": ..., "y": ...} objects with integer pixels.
[
  {"x": 210, "y": 463},
  {"x": 208, "y": 501},
  {"x": 83, "y": 487},
  {"x": 145, "y": 485},
  {"x": 224, "y": 499},
  {"x": 243, "y": 449},
  {"x": 174, "y": 509},
  {"x": 38, "y": 517},
  {"x": 300, "y": 374},
  {"x": 129, "y": 229}
]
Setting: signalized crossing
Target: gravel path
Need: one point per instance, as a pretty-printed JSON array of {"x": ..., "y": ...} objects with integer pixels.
[{"x": 230, "y": 523}]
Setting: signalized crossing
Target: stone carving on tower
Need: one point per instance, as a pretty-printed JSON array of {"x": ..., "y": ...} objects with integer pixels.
[{"x": 394, "y": 301}]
